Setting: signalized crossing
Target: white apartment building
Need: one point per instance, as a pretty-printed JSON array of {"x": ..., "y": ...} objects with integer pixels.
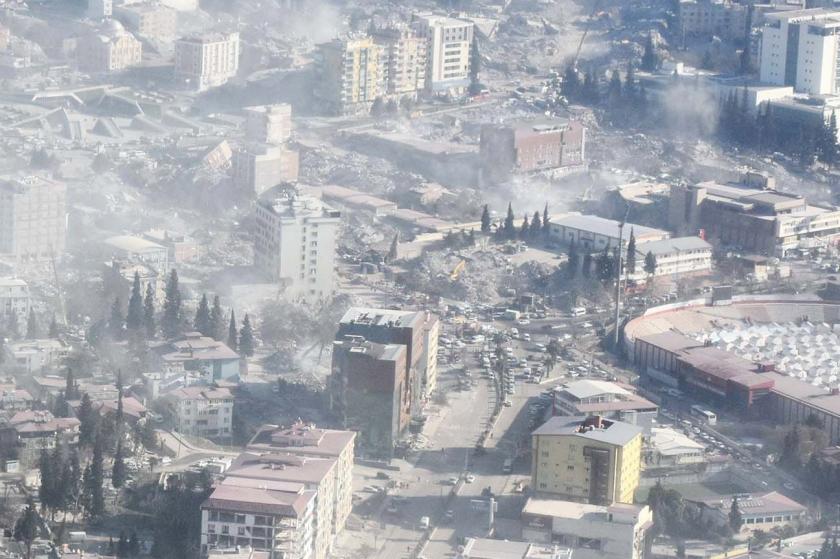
[
  {"x": 295, "y": 245},
  {"x": 799, "y": 48},
  {"x": 674, "y": 257},
  {"x": 405, "y": 55},
  {"x": 150, "y": 20},
  {"x": 258, "y": 167},
  {"x": 273, "y": 516},
  {"x": 448, "y": 47},
  {"x": 32, "y": 217},
  {"x": 109, "y": 49},
  {"x": 269, "y": 124},
  {"x": 592, "y": 531},
  {"x": 14, "y": 298},
  {"x": 202, "y": 411},
  {"x": 98, "y": 9},
  {"x": 206, "y": 61}
]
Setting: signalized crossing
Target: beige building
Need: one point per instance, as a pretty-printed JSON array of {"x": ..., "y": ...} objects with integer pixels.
[
  {"x": 258, "y": 167},
  {"x": 586, "y": 459},
  {"x": 150, "y": 20},
  {"x": 305, "y": 439},
  {"x": 14, "y": 299},
  {"x": 295, "y": 245},
  {"x": 202, "y": 411},
  {"x": 316, "y": 474},
  {"x": 32, "y": 217},
  {"x": 269, "y": 124},
  {"x": 109, "y": 49},
  {"x": 352, "y": 73},
  {"x": 448, "y": 47},
  {"x": 405, "y": 55},
  {"x": 206, "y": 61},
  {"x": 591, "y": 531}
]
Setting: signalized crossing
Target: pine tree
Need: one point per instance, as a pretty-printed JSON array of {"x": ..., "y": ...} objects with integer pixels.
[
  {"x": 485, "y": 219},
  {"x": 475, "y": 66},
  {"x": 246, "y": 338},
  {"x": 650, "y": 263},
  {"x": 536, "y": 226},
  {"x": 573, "y": 261},
  {"x": 614, "y": 89},
  {"x": 53, "y": 332},
  {"x": 94, "y": 498},
  {"x": 630, "y": 83},
  {"x": 120, "y": 413},
  {"x": 71, "y": 389},
  {"x": 587, "y": 265},
  {"x": 46, "y": 490},
  {"x": 394, "y": 250},
  {"x": 26, "y": 527},
  {"x": 736, "y": 520},
  {"x": 31, "y": 325},
  {"x": 88, "y": 420},
  {"x": 116, "y": 322},
  {"x": 172, "y": 307},
  {"x": 630, "y": 267},
  {"x": 525, "y": 228},
  {"x": 71, "y": 477},
  {"x": 605, "y": 265},
  {"x": 149, "y": 312},
  {"x": 650, "y": 61},
  {"x": 546, "y": 218},
  {"x": 118, "y": 469},
  {"x": 217, "y": 319},
  {"x": 202, "y": 317},
  {"x": 61, "y": 408},
  {"x": 510, "y": 227},
  {"x": 233, "y": 336},
  {"x": 134, "y": 316}
]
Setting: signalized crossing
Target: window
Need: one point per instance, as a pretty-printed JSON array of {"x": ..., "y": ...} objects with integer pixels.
[
  {"x": 240, "y": 531},
  {"x": 570, "y": 468},
  {"x": 211, "y": 528},
  {"x": 240, "y": 519},
  {"x": 225, "y": 529},
  {"x": 543, "y": 486}
]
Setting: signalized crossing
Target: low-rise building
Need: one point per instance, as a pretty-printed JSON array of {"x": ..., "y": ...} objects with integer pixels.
[
  {"x": 607, "y": 399},
  {"x": 206, "y": 61},
  {"x": 264, "y": 515},
  {"x": 149, "y": 19},
  {"x": 108, "y": 49},
  {"x": 259, "y": 167},
  {"x": 182, "y": 248},
  {"x": 681, "y": 256},
  {"x": 484, "y": 548},
  {"x": 666, "y": 448},
  {"x": 594, "y": 233},
  {"x": 591, "y": 531},
  {"x": 532, "y": 146},
  {"x": 586, "y": 459},
  {"x": 201, "y": 411},
  {"x": 39, "y": 430},
  {"x": 131, "y": 249},
  {"x": 194, "y": 352},
  {"x": 14, "y": 299},
  {"x": 760, "y": 511},
  {"x": 35, "y": 356},
  {"x": 15, "y": 399},
  {"x": 305, "y": 439}
]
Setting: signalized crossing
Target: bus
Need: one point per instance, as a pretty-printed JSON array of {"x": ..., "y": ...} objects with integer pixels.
[
  {"x": 507, "y": 467},
  {"x": 709, "y": 417}
]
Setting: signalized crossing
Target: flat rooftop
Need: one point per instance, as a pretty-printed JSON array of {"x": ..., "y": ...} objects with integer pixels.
[
  {"x": 303, "y": 438},
  {"x": 382, "y": 317},
  {"x": 606, "y": 227},
  {"x": 611, "y": 432}
]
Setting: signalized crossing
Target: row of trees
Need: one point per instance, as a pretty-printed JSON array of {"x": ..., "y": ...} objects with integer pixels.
[
  {"x": 538, "y": 227},
  {"x": 626, "y": 102},
  {"x": 606, "y": 262}
]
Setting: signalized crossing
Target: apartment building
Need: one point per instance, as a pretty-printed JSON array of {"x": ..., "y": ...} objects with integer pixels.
[
  {"x": 723, "y": 18},
  {"x": 681, "y": 256},
  {"x": 352, "y": 73},
  {"x": 269, "y": 124},
  {"x": 259, "y": 167},
  {"x": 405, "y": 55},
  {"x": 607, "y": 399},
  {"x": 149, "y": 20},
  {"x": 368, "y": 392},
  {"x": 38, "y": 430},
  {"x": 206, "y": 61},
  {"x": 14, "y": 299},
  {"x": 417, "y": 330},
  {"x": 799, "y": 48},
  {"x": 586, "y": 459},
  {"x": 99, "y": 9},
  {"x": 214, "y": 360},
  {"x": 315, "y": 474},
  {"x": 265, "y": 515},
  {"x": 593, "y": 233},
  {"x": 201, "y": 411},
  {"x": 614, "y": 531},
  {"x": 306, "y": 439},
  {"x": 109, "y": 49},
  {"x": 531, "y": 146},
  {"x": 32, "y": 217},
  {"x": 294, "y": 245},
  {"x": 448, "y": 48},
  {"x": 751, "y": 215}
]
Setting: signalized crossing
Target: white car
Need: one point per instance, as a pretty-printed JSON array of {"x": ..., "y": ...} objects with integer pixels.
[
  {"x": 523, "y": 322},
  {"x": 470, "y": 478}
]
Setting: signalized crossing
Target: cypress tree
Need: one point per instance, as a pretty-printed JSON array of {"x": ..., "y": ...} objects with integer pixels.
[
  {"x": 202, "y": 317},
  {"x": 572, "y": 263},
  {"x": 525, "y": 228},
  {"x": 118, "y": 469},
  {"x": 134, "y": 316},
  {"x": 233, "y": 336},
  {"x": 485, "y": 219},
  {"x": 587, "y": 265},
  {"x": 510, "y": 227},
  {"x": 546, "y": 228},
  {"x": 53, "y": 332},
  {"x": 71, "y": 390},
  {"x": 26, "y": 527},
  {"x": 394, "y": 250},
  {"x": 650, "y": 263},
  {"x": 217, "y": 319},
  {"x": 149, "y": 312},
  {"x": 736, "y": 520},
  {"x": 87, "y": 420},
  {"x": 172, "y": 307},
  {"x": 630, "y": 267},
  {"x": 650, "y": 62},
  {"x": 31, "y": 325},
  {"x": 46, "y": 490},
  {"x": 475, "y": 65},
  {"x": 536, "y": 226},
  {"x": 116, "y": 322},
  {"x": 246, "y": 338}
]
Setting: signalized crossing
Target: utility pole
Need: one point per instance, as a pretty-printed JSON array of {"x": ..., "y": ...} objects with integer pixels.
[{"x": 618, "y": 276}]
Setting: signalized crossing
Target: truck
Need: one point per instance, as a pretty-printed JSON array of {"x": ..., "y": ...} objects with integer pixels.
[
  {"x": 511, "y": 314},
  {"x": 507, "y": 467}
]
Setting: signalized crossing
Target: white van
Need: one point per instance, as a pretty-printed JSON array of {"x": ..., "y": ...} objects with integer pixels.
[
  {"x": 578, "y": 311},
  {"x": 424, "y": 523}
]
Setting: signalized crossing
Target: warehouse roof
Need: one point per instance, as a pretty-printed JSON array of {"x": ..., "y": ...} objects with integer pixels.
[{"x": 606, "y": 227}]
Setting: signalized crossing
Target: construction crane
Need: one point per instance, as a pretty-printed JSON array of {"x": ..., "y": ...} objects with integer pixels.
[{"x": 585, "y": 32}]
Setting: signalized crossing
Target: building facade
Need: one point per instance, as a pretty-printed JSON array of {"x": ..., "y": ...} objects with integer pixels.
[
  {"x": 14, "y": 299},
  {"x": 799, "y": 48},
  {"x": 295, "y": 245},
  {"x": 681, "y": 256},
  {"x": 206, "y": 61},
  {"x": 405, "y": 55},
  {"x": 595, "y": 233},
  {"x": 259, "y": 167},
  {"x": 149, "y": 20},
  {"x": 32, "y": 217},
  {"x": 110, "y": 49},
  {"x": 448, "y": 49},
  {"x": 607, "y": 399},
  {"x": 269, "y": 124},
  {"x": 99, "y": 9},
  {"x": 202, "y": 411},
  {"x": 722, "y": 18},
  {"x": 352, "y": 74},
  {"x": 586, "y": 459}
]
